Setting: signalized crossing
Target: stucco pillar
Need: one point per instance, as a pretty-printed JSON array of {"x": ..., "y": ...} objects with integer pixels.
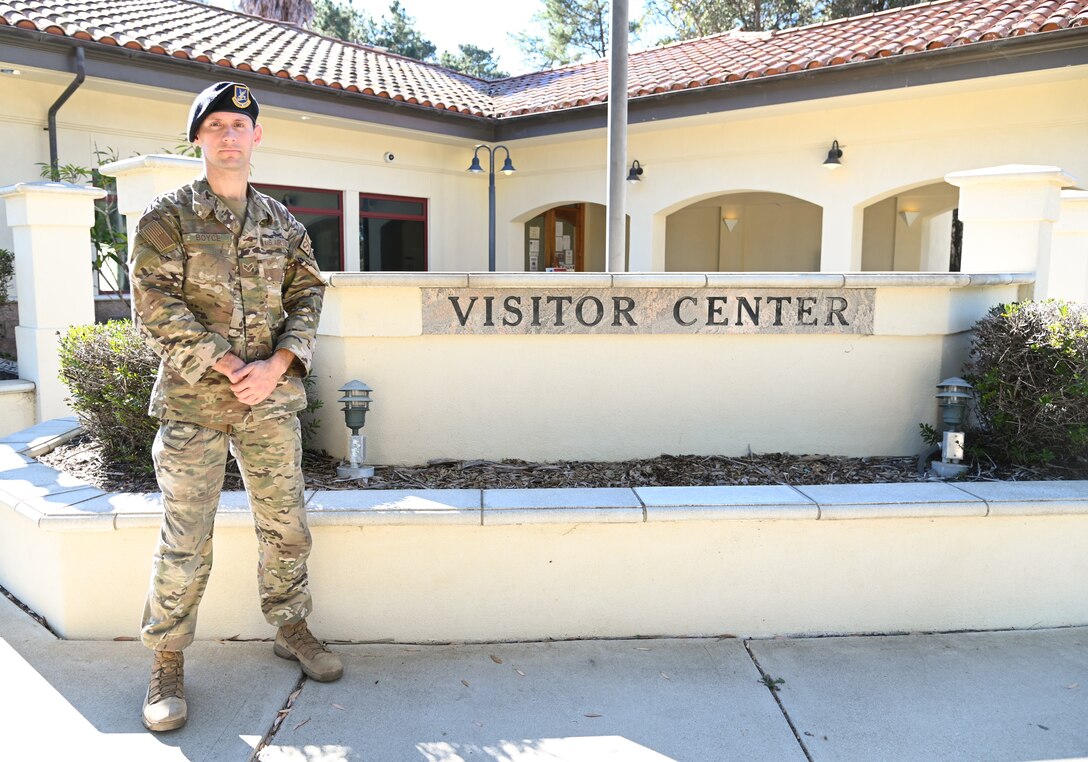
[
  {"x": 50, "y": 224},
  {"x": 142, "y": 178},
  {"x": 645, "y": 255},
  {"x": 1008, "y": 215},
  {"x": 1069, "y": 249},
  {"x": 840, "y": 238}
]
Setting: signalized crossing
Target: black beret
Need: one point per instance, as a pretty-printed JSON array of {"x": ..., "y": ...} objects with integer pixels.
[{"x": 222, "y": 96}]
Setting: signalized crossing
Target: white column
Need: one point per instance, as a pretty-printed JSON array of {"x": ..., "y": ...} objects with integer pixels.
[
  {"x": 840, "y": 239},
  {"x": 50, "y": 224},
  {"x": 1008, "y": 215},
  {"x": 643, "y": 255},
  {"x": 142, "y": 178},
  {"x": 1069, "y": 249}
]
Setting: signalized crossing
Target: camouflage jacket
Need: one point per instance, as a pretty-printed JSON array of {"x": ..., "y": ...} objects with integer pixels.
[{"x": 203, "y": 284}]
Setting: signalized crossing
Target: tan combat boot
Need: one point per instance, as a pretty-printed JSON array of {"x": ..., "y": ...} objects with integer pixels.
[
  {"x": 164, "y": 704},
  {"x": 295, "y": 641}
]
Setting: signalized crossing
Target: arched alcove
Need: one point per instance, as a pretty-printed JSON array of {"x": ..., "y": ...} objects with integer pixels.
[
  {"x": 910, "y": 230},
  {"x": 744, "y": 231}
]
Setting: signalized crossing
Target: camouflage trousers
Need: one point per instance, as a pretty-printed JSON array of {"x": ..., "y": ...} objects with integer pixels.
[{"x": 189, "y": 463}]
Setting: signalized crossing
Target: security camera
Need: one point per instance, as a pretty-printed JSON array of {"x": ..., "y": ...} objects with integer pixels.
[{"x": 389, "y": 157}]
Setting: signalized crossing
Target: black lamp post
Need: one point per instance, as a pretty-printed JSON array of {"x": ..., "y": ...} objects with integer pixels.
[{"x": 507, "y": 169}]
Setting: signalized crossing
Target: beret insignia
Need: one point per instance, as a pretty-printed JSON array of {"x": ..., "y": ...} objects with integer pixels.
[{"x": 241, "y": 96}]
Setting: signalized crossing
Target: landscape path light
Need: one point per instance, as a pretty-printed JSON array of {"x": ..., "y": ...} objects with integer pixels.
[
  {"x": 356, "y": 401},
  {"x": 953, "y": 396}
]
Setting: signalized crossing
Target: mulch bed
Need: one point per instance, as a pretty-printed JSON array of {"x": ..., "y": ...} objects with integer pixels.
[{"x": 82, "y": 458}]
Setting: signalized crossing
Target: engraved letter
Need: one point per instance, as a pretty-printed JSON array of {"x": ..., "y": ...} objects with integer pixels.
[
  {"x": 837, "y": 305},
  {"x": 629, "y": 304},
  {"x": 579, "y": 310},
  {"x": 778, "y": 306},
  {"x": 676, "y": 310},
  {"x": 804, "y": 310},
  {"x": 713, "y": 310},
  {"x": 559, "y": 307},
  {"x": 753, "y": 314},
  {"x": 513, "y": 307},
  {"x": 462, "y": 316}
]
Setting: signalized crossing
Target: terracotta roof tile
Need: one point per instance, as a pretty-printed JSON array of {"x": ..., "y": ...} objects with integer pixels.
[{"x": 231, "y": 40}]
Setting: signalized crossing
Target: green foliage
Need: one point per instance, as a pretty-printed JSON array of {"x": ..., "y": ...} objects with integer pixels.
[
  {"x": 110, "y": 372},
  {"x": 474, "y": 61},
  {"x": 837, "y": 9},
  {"x": 929, "y": 434},
  {"x": 309, "y": 423},
  {"x": 1029, "y": 367},
  {"x": 183, "y": 147},
  {"x": 109, "y": 236},
  {"x": 573, "y": 29},
  {"x": 688, "y": 19},
  {"x": 7, "y": 271},
  {"x": 397, "y": 34},
  {"x": 343, "y": 21}
]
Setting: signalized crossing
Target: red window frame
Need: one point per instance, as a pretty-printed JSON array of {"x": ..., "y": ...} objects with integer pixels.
[
  {"x": 413, "y": 217},
  {"x": 308, "y": 210}
]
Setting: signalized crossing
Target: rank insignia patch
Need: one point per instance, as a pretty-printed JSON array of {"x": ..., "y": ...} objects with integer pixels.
[{"x": 241, "y": 96}]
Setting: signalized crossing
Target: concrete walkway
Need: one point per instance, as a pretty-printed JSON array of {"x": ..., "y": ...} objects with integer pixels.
[{"x": 987, "y": 696}]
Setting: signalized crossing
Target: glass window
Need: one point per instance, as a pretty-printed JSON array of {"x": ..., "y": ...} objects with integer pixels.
[
  {"x": 320, "y": 211},
  {"x": 392, "y": 233},
  {"x": 392, "y": 206}
]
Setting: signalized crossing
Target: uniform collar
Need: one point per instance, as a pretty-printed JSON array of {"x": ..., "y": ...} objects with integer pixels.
[{"x": 206, "y": 203}]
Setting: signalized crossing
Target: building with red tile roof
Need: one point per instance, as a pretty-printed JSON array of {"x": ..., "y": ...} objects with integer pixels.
[{"x": 725, "y": 127}]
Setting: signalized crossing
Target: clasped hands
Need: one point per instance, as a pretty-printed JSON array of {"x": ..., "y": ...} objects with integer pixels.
[{"x": 253, "y": 382}]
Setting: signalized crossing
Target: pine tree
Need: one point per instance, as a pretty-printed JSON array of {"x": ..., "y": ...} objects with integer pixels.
[{"x": 473, "y": 60}]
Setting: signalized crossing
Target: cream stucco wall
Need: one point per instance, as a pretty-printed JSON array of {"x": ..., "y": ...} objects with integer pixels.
[
  {"x": 608, "y": 396},
  {"x": 16, "y": 406},
  {"x": 562, "y": 580},
  {"x": 893, "y": 141}
]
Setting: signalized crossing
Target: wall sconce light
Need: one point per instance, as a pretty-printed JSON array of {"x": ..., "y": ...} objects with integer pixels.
[
  {"x": 730, "y": 223},
  {"x": 635, "y": 175},
  {"x": 953, "y": 394},
  {"x": 909, "y": 217},
  {"x": 833, "y": 156},
  {"x": 356, "y": 401}
]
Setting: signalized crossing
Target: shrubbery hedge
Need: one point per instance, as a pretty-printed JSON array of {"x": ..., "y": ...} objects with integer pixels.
[
  {"x": 110, "y": 371},
  {"x": 1029, "y": 367}
]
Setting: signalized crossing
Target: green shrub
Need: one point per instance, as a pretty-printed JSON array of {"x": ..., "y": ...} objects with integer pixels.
[
  {"x": 110, "y": 371},
  {"x": 1029, "y": 367},
  {"x": 7, "y": 270}
]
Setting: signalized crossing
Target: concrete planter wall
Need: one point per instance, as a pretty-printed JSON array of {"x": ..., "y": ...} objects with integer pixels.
[{"x": 430, "y": 566}]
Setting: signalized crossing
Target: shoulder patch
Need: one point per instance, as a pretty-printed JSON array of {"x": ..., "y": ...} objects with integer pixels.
[
  {"x": 306, "y": 246},
  {"x": 157, "y": 236}
]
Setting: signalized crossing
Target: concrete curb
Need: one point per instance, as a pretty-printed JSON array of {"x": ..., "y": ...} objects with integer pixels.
[{"x": 60, "y": 503}]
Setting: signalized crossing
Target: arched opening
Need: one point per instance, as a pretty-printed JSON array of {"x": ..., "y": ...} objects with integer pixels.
[
  {"x": 568, "y": 238},
  {"x": 749, "y": 231},
  {"x": 914, "y": 230}
]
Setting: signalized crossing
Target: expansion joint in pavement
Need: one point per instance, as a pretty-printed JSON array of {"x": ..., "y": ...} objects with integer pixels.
[
  {"x": 281, "y": 716},
  {"x": 773, "y": 688}
]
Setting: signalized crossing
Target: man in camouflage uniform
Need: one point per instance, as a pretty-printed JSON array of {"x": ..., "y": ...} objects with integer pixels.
[{"x": 226, "y": 290}]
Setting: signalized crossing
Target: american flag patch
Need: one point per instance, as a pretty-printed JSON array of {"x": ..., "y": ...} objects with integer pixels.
[{"x": 156, "y": 235}]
